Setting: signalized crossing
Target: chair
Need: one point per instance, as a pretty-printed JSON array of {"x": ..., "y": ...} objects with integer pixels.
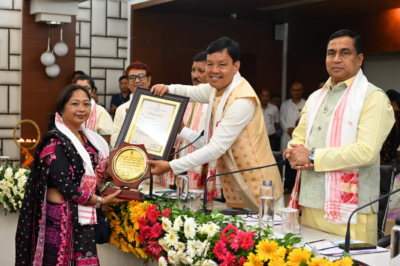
[
  {"x": 278, "y": 157},
  {"x": 386, "y": 186}
]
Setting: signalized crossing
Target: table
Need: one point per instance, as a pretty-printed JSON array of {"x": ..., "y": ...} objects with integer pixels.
[{"x": 109, "y": 254}]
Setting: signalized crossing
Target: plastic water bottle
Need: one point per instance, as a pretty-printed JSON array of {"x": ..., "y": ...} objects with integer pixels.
[
  {"x": 395, "y": 245},
  {"x": 267, "y": 201}
]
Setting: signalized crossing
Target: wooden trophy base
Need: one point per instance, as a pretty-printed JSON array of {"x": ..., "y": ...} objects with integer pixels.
[{"x": 125, "y": 194}]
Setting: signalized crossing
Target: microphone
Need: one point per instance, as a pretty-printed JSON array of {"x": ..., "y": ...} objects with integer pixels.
[
  {"x": 234, "y": 172},
  {"x": 347, "y": 238},
  {"x": 201, "y": 134}
]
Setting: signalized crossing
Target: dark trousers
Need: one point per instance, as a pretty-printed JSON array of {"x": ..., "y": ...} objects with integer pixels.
[
  {"x": 290, "y": 176},
  {"x": 274, "y": 142}
]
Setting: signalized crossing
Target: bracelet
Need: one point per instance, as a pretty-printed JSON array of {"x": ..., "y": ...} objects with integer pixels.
[{"x": 98, "y": 204}]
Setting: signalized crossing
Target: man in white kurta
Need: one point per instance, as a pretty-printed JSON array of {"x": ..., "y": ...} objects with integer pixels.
[{"x": 290, "y": 113}]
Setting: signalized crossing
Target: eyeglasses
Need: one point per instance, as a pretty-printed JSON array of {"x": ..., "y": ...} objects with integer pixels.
[{"x": 141, "y": 77}]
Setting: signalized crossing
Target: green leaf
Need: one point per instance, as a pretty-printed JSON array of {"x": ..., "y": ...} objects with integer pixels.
[
  {"x": 230, "y": 232},
  {"x": 303, "y": 264},
  {"x": 345, "y": 254}
]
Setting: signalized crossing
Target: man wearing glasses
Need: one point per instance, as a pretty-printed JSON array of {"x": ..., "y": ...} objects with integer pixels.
[{"x": 138, "y": 74}]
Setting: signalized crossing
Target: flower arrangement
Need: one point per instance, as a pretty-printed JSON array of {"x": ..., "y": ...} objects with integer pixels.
[
  {"x": 160, "y": 230},
  {"x": 12, "y": 187}
]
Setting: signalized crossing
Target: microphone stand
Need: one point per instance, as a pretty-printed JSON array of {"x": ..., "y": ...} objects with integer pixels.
[
  {"x": 347, "y": 239},
  {"x": 234, "y": 172}
]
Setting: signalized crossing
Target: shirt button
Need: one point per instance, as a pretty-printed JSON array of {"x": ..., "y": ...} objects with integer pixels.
[
  {"x": 319, "y": 128},
  {"x": 325, "y": 109}
]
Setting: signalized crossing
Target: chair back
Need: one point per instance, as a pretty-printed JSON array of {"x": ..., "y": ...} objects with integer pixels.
[
  {"x": 278, "y": 157},
  {"x": 386, "y": 186}
]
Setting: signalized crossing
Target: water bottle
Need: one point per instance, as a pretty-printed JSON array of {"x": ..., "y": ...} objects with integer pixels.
[
  {"x": 267, "y": 201},
  {"x": 395, "y": 245}
]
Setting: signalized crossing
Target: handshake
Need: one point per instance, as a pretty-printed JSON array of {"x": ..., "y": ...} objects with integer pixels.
[{"x": 298, "y": 157}]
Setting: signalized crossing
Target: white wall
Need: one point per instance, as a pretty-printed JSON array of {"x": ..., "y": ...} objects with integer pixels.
[
  {"x": 383, "y": 71},
  {"x": 10, "y": 75},
  {"x": 101, "y": 44}
]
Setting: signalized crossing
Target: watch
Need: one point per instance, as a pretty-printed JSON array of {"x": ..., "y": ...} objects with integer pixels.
[
  {"x": 98, "y": 203},
  {"x": 311, "y": 157}
]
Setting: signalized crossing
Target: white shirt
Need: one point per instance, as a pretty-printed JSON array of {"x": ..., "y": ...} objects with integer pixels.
[
  {"x": 271, "y": 117},
  {"x": 289, "y": 114},
  {"x": 237, "y": 117},
  {"x": 119, "y": 119}
]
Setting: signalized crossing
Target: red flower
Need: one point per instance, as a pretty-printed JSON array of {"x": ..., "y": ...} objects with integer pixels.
[
  {"x": 142, "y": 238},
  {"x": 166, "y": 212},
  {"x": 152, "y": 214},
  {"x": 237, "y": 239},
  {"x": 156, "y": 230},
  {"x": 220, "y": 250},
  {"x": 145, "y": 231},
  {"x": 227, "y": 229},
  {"x": 247, "y": 241},
  {"x": 241, "y": 261},
  {"x": 142, "y": 221},
  {"x": 155, "y": 248},
  {"x": 229, "y": 259}
]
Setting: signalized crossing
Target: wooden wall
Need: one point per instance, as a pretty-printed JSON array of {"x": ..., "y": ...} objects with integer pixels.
[
  {"x": 39, "y": 92},
  {"x": 308, "y": 40},
  {"x": 167, "y": 43}
]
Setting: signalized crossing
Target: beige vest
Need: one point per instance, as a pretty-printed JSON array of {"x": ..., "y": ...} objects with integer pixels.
[{"x": 250, "y": 149}]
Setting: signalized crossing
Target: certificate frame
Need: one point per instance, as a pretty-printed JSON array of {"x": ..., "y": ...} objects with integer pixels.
[{"x": 139, "y": 97}]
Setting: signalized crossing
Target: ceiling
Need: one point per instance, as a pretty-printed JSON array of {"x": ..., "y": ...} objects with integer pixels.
[{"x": 276, "y": 11}]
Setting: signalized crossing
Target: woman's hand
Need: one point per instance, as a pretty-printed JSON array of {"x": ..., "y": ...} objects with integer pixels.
[{"x": 112, "y": 199}]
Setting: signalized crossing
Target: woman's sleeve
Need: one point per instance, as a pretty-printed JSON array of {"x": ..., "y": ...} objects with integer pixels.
[{"x": 61, "y": 174}]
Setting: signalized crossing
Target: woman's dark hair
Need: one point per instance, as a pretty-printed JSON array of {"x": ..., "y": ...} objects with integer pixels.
[
  {"x": 358, "y": 42},
  {"x": 225, "y": 43},
  {"x": 66, "y": 94},
  {"x": 85, "y": 77}
]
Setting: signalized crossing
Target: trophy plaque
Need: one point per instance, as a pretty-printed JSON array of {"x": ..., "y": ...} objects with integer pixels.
[{"x": 128, "y": 168}]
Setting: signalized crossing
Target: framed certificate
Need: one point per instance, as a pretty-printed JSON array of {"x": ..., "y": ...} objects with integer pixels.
[{"x": 153, "y": 121}]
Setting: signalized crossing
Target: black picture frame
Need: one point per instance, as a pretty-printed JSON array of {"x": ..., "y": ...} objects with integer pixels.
[{"x": 183, "y": 102}]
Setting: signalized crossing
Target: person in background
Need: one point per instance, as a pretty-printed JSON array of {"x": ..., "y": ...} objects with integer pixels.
[
  {"x": 122, "y": 97},
  {"x": 276, "y": 100},
  {"x": 99, "y": 120},
  {"x": 336, "y": 145},
  {"x": 138, "y": 74},
  {"x": 95, "y": 94},
  {"x": 390, "y": 147},
  {"x": 289, "y": 116},
  {"x": 271, "y": 118},
  {"x": 76, "y": 74},
  {"x": 58, "y": 214},
  {"x": 321, "y": 83}
]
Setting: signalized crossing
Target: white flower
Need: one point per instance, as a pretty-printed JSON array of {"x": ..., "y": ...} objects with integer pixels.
[
  {"x": 189, "y": 260},
  {"x": 203, "y": 229},
  {"x": 178, "y": 223},
  {"x": 10, "y": 181},
  {"x": 171, "y": 238},
  {"x": 184, "y": 259},
  {"x": 163, "y": 244},
  {"x": 19, "y": 204},
  {"x": 190, "y": 228},
  {"x": 15, "y": 190},
  {"x": 173, "y": 257},
  {"x": 1, "y": 168},
  {"x": 162, "y": 262},
  {"x": 212, "y": 229},
  {"x": 3, "y": 183},
  {"x": 207, "y": 248},
  {"x": 191, "y": 248},
  {"x": 8, "y": 173},
  {"x": 180, "y": 246},
  {"x": 208, "y": 263},
  {"x": 7, "y": 192},
  {"x": 166, "y": 224},
  {"x": 21, "y": 183},
  {"x": 200, "y": 246}
]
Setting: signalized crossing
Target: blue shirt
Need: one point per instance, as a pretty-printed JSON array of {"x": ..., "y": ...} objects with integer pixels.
[{"x": 118, "y": 99}]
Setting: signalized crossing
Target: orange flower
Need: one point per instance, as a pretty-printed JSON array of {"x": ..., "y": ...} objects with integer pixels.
[
  {"x": 266, "y": 249},
  {"x": 346, "y": 261},
  {"x": 298, "y": 256},
  {"x": 277, "y": 262}
]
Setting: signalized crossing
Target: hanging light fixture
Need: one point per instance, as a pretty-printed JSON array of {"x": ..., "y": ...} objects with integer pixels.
[
  {"x": 61, "y": 48},
  {"x": 53, "y": 70},
  {"x": 48, "y": 58}
]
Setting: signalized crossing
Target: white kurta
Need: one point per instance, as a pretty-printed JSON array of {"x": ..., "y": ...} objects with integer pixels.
[{"x": 289, "y": 114}]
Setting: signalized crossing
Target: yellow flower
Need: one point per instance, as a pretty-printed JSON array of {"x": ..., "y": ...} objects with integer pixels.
[
  {"x": 346, "y": 261},
  {"x": 130, "y": 234},
  {"x": 108, "y": 214},
  {"x": 134, "y": 251},
  {"x": 253, "y": 260},
  {"x": 289, "y": 249},
  {"x": 318, "y": 262},
  {"x": 137, "y": 239},
  {"x": 124, "y": 245},
  {"x": 298, "y": 256},
  {"x": 277, "y": 262},
  {"x": 279, "y": 254},
  {"x": 266, "y": 249},
  {"x": 142, "y": 253},
  {"x": 114, "y": 239}
]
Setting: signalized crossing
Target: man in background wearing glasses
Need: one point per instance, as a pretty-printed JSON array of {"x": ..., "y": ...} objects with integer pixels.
[{"x": 138, "y": 74}]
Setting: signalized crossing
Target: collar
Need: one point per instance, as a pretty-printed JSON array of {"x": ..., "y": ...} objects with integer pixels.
[
  {"x": 347, "y": 82},
  {"x": 237, "y": 78}
]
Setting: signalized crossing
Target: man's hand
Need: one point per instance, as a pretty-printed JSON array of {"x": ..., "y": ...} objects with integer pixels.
[
  {"x": 290, "y": 131},
  {"x": 113, "y": 108},
  {"x": 298, "y": 157},
  {"x": 181, "y": 126},
  {"x": 160, "y": 89},
  {"x": 159, "y": 167}
]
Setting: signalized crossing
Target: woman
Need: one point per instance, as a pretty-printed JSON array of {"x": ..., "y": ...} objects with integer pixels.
[
  {"x": 392, "y": 142},
  {"x": 58, "y": 216}
]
